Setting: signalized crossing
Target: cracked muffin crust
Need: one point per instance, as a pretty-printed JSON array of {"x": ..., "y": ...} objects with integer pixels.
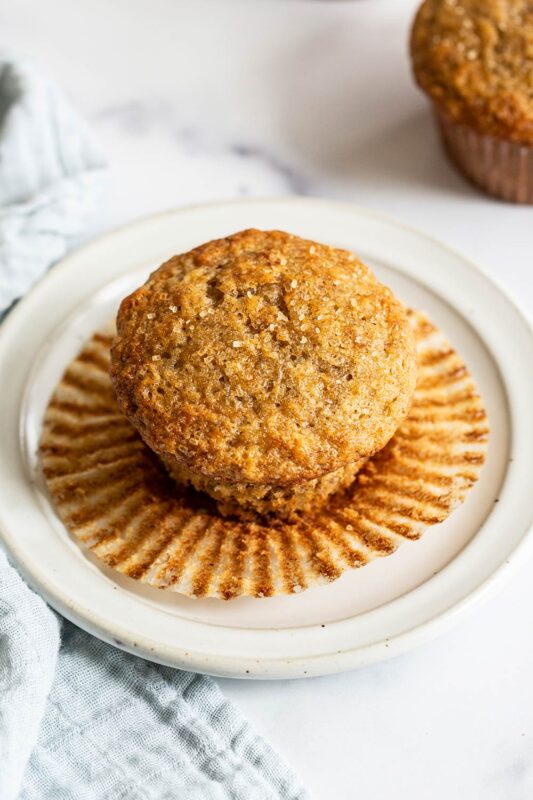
[{"x": 260, "y": 362}]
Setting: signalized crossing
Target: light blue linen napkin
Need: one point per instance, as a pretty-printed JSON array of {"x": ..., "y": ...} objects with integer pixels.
[{"x": 79, "y": 719}]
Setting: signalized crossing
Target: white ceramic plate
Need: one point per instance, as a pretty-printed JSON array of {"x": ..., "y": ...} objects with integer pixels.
[{"x": 369, "y": 614}]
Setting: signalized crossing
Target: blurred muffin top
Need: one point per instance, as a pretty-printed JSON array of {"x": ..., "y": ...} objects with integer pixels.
[
  {"x": 474, "y": 58},
  {"x": 264, "y": 358}
]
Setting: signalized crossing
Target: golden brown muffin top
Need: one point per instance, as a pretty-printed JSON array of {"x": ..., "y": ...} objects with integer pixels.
[
  {"x": 264, "y": 358},
  {"x": 474, "y": 58}
]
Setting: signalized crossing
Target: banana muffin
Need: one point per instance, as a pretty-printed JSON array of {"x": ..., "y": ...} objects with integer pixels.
[
  {"x": 264, "y": 369},
  {"x": 474, "y": 60}
]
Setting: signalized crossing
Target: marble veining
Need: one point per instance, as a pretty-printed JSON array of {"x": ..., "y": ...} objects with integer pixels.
[{"x": 138, "y": 119}]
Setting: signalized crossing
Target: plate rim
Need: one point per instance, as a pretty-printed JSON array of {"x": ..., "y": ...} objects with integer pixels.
[{"x": 271, "y": 667}]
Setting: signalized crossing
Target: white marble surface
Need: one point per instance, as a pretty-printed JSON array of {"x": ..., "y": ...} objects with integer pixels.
[{"x": 199, "y": 100}]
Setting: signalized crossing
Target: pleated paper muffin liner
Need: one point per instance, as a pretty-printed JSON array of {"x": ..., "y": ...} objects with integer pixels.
[
  {"x": 112, "y": 493},
  {"x": 502, "y": 169}
]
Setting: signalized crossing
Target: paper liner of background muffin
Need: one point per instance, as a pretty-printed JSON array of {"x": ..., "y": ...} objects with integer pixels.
[
  {"x": 501, "y": 168},
  {"x": 112, "y": 493}
]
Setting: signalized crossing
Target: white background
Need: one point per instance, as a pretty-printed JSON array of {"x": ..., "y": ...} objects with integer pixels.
[{"x": 199, "y": 100}]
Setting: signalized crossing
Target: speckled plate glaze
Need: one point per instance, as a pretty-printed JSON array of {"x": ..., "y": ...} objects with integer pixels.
[{"x": 365, "y": 615}]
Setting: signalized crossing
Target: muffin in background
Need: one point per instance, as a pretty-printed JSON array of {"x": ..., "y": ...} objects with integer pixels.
[{"x": 474, "y": 60}]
